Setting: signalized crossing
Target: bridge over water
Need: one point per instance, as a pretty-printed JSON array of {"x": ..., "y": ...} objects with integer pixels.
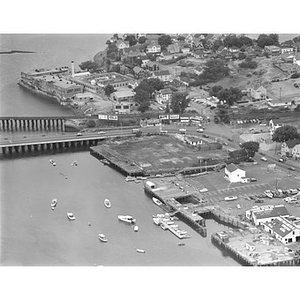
[
  {"x": 10, "y": 149},
  {"x": 35, "y": 123}
]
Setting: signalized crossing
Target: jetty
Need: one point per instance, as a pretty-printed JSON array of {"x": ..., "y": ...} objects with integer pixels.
[{"x": 165, "y": 221}]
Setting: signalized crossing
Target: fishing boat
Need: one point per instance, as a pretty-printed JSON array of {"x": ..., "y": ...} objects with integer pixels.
[
  {"x": 156, "y": 201},
  {"x": 107, "y": 203},
  {"x": 156, "y": 221},
  {"x": 129, "y": 178},
  {"x": 53, "y": 203},
  {"x": 136, "y": 228},
  {"x": 71, "y": 216},
  {"x": 102, "y": 237},
  {"x": 140, "y": 251},
  {"x": 127, "y": 219}
]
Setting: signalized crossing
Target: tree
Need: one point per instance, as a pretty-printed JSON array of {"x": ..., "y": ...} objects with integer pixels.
[
  {"x": 89, "y": 66},
  {"x": 214, "y": 69},
  {"x": 91, "y": 123},
  {"x": 179, "y": 102},
  {"x": 142, "y": 98},
  {"x": 213, "y": 91},
  {"x": 267, "y": 40},
  {"x": 251, "y": 148},
  {"x": 297, "y": 108},
  {"x": 164, "y": 41},
  {"x": 142, "y": 40},
  {"x": 109, "y": 89},
  {"x": 248, "y": 63},
  {"x": 285, "y": 133},
  {"x": 222, "y": 114},
  {"x": 131, "y": 39}
]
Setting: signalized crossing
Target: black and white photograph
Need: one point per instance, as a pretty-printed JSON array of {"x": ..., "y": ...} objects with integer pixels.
[{"x": 140, "y": 148}]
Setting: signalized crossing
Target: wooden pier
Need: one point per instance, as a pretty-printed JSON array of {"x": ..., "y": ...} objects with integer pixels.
[{"x": 255, "y": 258}]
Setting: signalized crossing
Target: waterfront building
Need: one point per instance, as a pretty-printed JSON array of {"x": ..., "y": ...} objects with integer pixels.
[
  {"x": 95, "y": 83},
  {"x": 285, "y": 229},
  {"x": 266, "y": 213},
  {"x": 233, "y": 173}
]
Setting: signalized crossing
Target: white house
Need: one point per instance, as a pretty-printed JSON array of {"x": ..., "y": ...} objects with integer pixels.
[
  {"x": 266, "y": 213},
  {"x": 296, "y": 151},
  {"x": 234, "y": 174},
  {"x": 163, "y": 96},
  {"x": 288, "y": 147},
  {"x": 257, "y": 94}
]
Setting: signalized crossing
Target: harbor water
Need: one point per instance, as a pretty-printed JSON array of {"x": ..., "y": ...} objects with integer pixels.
[{"x": 34, "y": 235}]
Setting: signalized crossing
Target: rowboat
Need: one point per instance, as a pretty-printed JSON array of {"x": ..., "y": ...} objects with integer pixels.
[
  {"x": 156, "y": 201},
  {"x": 102, "y": 237},
  {"x": 140, "y": 251},
  {"x": 107, "y": 203}
]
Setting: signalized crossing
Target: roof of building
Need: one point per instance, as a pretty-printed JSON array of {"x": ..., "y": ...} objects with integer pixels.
[
  {"x": 138, "y": 69},
  {"x": 269, "y": 211},
  {"x": 124, "y": 93},
  {"x": 231, "y": 167},
  {"x": 292, "y": 143},
  {"x": 280, "y": 226},
  {"x": 166, "y": 91}
]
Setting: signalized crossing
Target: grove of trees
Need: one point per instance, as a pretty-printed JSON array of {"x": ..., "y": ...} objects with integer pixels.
[
  {"x": 285, "y": 133},
  {"x": 228, "y": 96},
  {"x": 179, "y": 102},
  {"x": 267, "y": 40}
]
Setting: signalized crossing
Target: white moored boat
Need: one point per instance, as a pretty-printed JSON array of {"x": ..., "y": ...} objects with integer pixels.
[
  {"x": 136, "y": 228},
  {"x": 107, "y": 203},
  {"x": 140, "y": 251},
  {"x": 156, "y": 201},
  {"x": 53, "y": 203},
  {"x": 102, "y": 237},
  {"x": 52, "y": 162},
  {"x": 156, "y": 221},
  {"x": 71, "y": 216},
  {"x": 127, "y": 219}
]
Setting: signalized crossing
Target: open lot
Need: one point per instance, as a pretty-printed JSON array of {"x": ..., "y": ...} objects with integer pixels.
[{"x": 159, "y": 153}]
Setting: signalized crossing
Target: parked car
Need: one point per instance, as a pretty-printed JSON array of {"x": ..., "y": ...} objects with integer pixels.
[
  {"x": 79, "y": 134},
  {"x": 292, "y": 168},
  {"x": 205, "y": 135},
  {"x": 281, "y": 159},
  {"x": 101, "y": 132},
  {"x": 253, "y": 179},
  {"x": 200, "y": 130},
  {"x": 263, "y": 158},
  {"x": 259, "y": 201}
]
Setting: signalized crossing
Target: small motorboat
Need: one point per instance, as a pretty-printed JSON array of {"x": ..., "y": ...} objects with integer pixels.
[
  {"x": 181, "y": 244},
  {"x": 140, "y": 251},
  {"x": 127, "y": 219},
  {"x": 102, "y": 237},
  {"x": 156, "y": 221},
  {"x": 71, "y": 216},
  {"x": 107, "y": 203},
  {"x": 74, "y": 163},
  {"x": 136, "y": 228},
  {"x": 156, "y": 201},
  {"x": 53, "y": 203},
  {"x": 51, "y": 161}
]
